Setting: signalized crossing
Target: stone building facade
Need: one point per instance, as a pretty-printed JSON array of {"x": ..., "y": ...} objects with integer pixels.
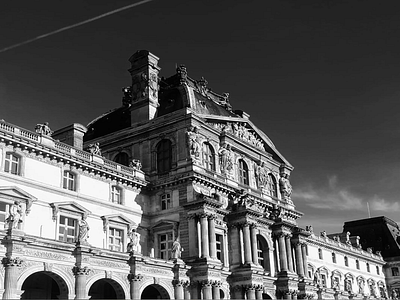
[{"x": 176, "y": 196}]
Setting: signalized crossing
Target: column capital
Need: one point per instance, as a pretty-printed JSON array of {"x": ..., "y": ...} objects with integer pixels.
[
  {"x": 81, "y": 270},
  {"x": 179, "y": 282},
  {"x": 134, "y": 277},
  {"x": 12, "y": 262},
  {"x": 207, "y": 283}
]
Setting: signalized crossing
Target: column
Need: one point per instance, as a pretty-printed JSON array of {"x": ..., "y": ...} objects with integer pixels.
[
  {"x": 199, "y": 233},
  {"x": 253, "y": 234},
  {"x": 80, "y": 282},
  {"x": 304, "y": 255},
  {"x": 135, "y": 282},
  {"x": 207, "y": 291},
  {"x": 236, "y": 251},
  {"x": 247, "y": 244},
  {"x": 299, "y": 260},
  {"x": 11, "y": 266},
  {"x": 186, "y": 291},
  {"x": 213, "y": 243},
  {"x": 289, "y": 253},
  {"x": 272, "y": 263},
  {"x": 282, "y": 253},
  {"x": 250, "y": 292},
  {"x": 178, "y": 289},
  {"x": 204, "y": 236},
  {"x": 259, "y": 292},
  {"x": 193, "y": 236},
  {"x": 215, "y": 290}
]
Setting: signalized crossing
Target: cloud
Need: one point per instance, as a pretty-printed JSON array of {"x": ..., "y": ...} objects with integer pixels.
[{"x": 337, "y": 197}]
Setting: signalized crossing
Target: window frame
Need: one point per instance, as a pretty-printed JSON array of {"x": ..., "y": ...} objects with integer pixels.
[
  {"x": 67, "y": 216},
  {"x": 117, "y": 222},
  {"x": 167, "y": 199},
  {"x": 395, "y": 271},
  {"x": 168, "y": 242},
  {"x": 122, "y": 237},
  {"x": 243, "y": 172},
  {"x": 164, "y": 156},
  {"x": 320, "y": 254},
  {"x": 208, "y": 157},
  {"x": 334, "y": 257},
  {"x": 68, "y": 180},
  {"x": 9, "y": 162},
  {"x": 272, "y": 185},
  {"x": 346, "y": 261},
  {"x": 121, "y": 194}
]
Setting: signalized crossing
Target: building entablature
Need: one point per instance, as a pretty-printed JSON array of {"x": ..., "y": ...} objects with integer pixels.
[
  {"x": 337, "y": 246},
  {"x": 47, "y": 149}
]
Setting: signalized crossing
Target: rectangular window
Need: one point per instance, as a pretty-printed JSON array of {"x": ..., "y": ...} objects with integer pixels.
[
  {"x": 346, "y": 261},
  {"x": 115, "y": 239},
  {"x": 357, "y": 264},
  {"x": 166, "y": 201},
  {"x": 395, "y": 271},
  {"x": 116, "y": 195},
  {"x": 69, "y": 181},
  {"x": 220, "y": 247},
  {"x": 164, "y": 245},
  {"x": 67, "y": 229},
  {"x": 11, "y": 164}
]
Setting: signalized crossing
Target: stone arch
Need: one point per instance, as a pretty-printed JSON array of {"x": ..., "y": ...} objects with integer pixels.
[
  {"x": 154, "y": 147},
  {"x": 64, "y": 279},
  {"x": 163, "y": 283},
  {"x": 122, "y": 157},
  {"x": 267, "y": 238},
  {"x": 120, "y": 286}
]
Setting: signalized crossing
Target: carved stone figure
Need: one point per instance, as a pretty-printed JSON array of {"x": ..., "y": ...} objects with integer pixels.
[
  {"x": 285, "y": 186},
  {"x": 310, "y": 229},
  {"x": 133, "y": 245},
  {"x": 193, "y": 142},
  {"x": 176, "y": 249},
  {"x": 348, "y": 285},
  {"x": 182, "y": 74},
  {"x": 316, "y": 277},
  {"x": 225, "y": 158},
  {"x": 348, "y": 242},
  {"x": 83, "y": 231},
  {"x": 135, "y": 164},
  {"x": 43, "y": 129},
  {"x": 394, "y": 294},
  {"x": 261, "y": 175},
  {"x": 335, "y": 283},
  {"x": 94, "y": 148},
  {"x": 361, "y": 284},
  {"x": 323, "y": 234},
  {"x": 127, "y": 99},
  {"x": 15, "y": 217},
  {"x": 202, "y": 86}
]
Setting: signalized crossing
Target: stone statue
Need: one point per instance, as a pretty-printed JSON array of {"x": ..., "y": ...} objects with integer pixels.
[
  {"x": 316, "y": 277},
  {"x": 43, "y": 129},
  {"x": 15, "y": 217},
  {"x": 394, "y": 294},
  {"x": 347, "y": 285},
  {"x": 202, "y": 86},
  {"x": 261, "y": 175},
  {"x": 135, "y": 164},
  {"x": 361, "y": 284},
  {"x": 310, "y": 229},
  {"x": 285, "y": 186},
  {"x": 176, "y": 249},
  {"x": 348, "y": 242},
  {"x": 94, "y": 148},
  {"x": 193, "y": 143},
  {"x": 127, "y": 99},
  {"x": 225, "y": 158},
  {"x": 133, "y": 245},
  {"x": 83, "y": 231},
  {"x": 323, "y": 234},
  {"x": 335, "y": 283}
]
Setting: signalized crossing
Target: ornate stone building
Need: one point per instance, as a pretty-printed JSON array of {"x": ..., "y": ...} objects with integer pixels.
[{"x": 176, "y": 196}]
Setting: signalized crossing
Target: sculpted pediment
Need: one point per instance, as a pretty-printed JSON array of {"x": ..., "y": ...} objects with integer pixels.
[
  {"x": 69, "y": 206},
  {"x": 245, "y": 131},
  {"x": 14, "y": 193},
  {"x": 118, "y": 218}
]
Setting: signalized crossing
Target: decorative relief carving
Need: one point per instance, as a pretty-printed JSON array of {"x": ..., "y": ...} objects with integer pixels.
[
  {"x": 81, "y": 270},
  {"x": 11, "y": 262},
  {"x": 193, "y": 142},
  {"x": 135, "y": 277},
  {"x": 43, "y": 129},
  {"x": 181, "y": 71},
  {"x": 110, "y": 264},
  {"x": 94, "y": 149},
  {"x": 226, "y": 159},
  {"x": 240, "y": 131},
  {"x": 48, "y": 255}
]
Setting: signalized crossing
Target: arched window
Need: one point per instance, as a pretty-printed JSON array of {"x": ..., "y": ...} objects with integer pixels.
[
  {"x": 320, "y": 253},
  {"x": 122, "y": 158},
  {"x": 357, "y": 264},
  {"x": 272, "y": 185},
  {"x": 263, "y": 253},
  {"x": 346, "y": 261},
  {"x": 243, "y": 172},
  {"x": 164, "y": 156},
  {"x": 333, "y": 257},
  {"x": 208, "y": 157},
  {"x": 368, "y": 269},
  {"x": 12, "y": 164}
]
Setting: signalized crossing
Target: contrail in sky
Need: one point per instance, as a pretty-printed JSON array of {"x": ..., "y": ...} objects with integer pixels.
[{"x": 74, "y": 25}]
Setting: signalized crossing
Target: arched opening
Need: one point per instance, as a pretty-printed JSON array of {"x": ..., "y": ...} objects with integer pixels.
[
  {"x": 263, "y": 253},
  {"x": 106, "y": 289},
  {"x": 44, "y": 285},
  {"x": 154, "y": 291},
  {"x": 266, "y": 296},
  {"x": 122, "y": 158}
]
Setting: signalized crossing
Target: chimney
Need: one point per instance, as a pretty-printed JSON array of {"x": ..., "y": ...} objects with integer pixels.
[
  {"x": 71, "y": 135},
  {"x": 144, "y": 98}
]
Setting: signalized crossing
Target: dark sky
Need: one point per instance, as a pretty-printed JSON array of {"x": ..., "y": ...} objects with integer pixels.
[{"x": 320, "y": 78}]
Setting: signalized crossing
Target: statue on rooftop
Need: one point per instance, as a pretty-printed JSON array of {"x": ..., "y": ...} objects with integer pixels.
[
  {"x": 127, "y": 98},
  {"x": 94, "y": 148},
  {"x": 135, "y": 164},
  {"x": 43, "y": 129}
]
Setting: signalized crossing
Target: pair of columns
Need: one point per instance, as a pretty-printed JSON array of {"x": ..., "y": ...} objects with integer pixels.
[
  {"x": 210, "y": 289},
  {"x": 251, "y": 291},
  {"x": 246, "y": 236},
  {"x": 286, "y": 255}
]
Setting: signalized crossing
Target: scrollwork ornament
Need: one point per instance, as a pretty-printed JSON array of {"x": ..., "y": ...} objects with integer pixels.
[{"x": 135, "y": 277}]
